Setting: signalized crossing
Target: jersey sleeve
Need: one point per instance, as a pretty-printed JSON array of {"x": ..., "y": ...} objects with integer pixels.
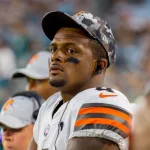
[{"x": 105, "y": 114}]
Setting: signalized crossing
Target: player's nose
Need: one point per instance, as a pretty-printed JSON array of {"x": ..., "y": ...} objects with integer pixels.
[{"x": 58, "y": 56}]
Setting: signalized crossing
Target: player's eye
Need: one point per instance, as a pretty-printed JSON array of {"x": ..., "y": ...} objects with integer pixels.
[
  {"x": 71, "y": 51},
  {"x": 53, "y": 49}
]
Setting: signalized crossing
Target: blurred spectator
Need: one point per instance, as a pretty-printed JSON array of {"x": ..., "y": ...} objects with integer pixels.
[
  {"x": 17, "y": 118},
  {"x": 36, "y": 73},
  {"x": 19, "y": 41},
  {"x": 7, "y": 60},
  {"x": 7, "y": 65}
]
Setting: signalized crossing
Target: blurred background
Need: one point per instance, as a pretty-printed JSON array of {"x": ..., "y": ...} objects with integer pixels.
[{"x": 21, "y": 36}]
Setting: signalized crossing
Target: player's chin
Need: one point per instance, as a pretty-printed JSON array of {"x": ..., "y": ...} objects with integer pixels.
[{"x": 57, "y": 82}]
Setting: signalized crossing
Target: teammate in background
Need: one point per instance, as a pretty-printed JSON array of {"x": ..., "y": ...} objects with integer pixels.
[
  {"x": 82, "y": 48},
  {"x": 140, "y": 137},
  {"x": 37, "y": 75},
  {"x": 17, "y": 118}
]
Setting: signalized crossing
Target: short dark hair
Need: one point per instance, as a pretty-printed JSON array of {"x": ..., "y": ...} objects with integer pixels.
[{"x": 98, "y": 50}]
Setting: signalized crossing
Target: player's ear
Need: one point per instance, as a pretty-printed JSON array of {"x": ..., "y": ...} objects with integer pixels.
[{"x": 100, "y": 65}]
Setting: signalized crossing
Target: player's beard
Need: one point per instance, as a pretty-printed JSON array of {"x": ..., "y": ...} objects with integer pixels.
[{"x": 57, "y": 83}]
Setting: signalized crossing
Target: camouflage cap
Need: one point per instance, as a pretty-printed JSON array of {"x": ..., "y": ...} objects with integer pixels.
[{"x": 97, "y": 28}]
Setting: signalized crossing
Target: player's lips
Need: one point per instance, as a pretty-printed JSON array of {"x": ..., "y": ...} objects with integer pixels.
[
  {"x": 9, "y": 148},
  {"x": 55, "y": 68}
]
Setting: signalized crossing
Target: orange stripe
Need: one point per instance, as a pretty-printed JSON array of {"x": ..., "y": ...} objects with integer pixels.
[
  {"x": 102, "y": 121},
  {"x": 33, "y": 59},
  {"x": 110, "y": 111},
  {"x": 9, "y": 102}
]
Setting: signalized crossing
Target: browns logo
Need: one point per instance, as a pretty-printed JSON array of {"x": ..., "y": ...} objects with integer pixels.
[
  {"x": 9, "y": 102},
  {"x": 33, "y": 59},
  {"x": 79, "y": 13}
]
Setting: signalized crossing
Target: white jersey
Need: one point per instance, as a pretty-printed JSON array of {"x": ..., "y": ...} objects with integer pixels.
[{"x": 53, "y": 128}]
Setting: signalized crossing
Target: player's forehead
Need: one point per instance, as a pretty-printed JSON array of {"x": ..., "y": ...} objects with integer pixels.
[
  {"x": 71, "y": 33},
  {"x": 73, "y": 36}
]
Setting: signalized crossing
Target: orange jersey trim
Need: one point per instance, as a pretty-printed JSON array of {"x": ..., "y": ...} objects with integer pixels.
[
  {"x": 102, "y": 121},
  {"x": 110, "y": 111}
]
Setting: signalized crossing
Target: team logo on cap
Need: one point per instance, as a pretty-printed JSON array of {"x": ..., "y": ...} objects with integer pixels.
[
  {"x": 33, "y": 59},
  {"x": 8, "y": 103},
  {"x": 46, "y": 130}
]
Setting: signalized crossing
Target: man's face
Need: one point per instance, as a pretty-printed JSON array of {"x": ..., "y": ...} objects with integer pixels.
[
  {"x": 16, "y": 139},
  {"x": 42, "y": 87},
  {"x": 71, "y": 62}
]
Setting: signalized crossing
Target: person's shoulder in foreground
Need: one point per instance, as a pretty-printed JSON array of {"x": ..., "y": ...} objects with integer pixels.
[
  {"x": 17, "y": 118},
  {"x": 82, "y": 49},
  {"x": 140, "y": 135}
]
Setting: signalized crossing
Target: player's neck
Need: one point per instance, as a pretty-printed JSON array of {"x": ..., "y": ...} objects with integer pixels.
[{"x": 69, "y": 94}]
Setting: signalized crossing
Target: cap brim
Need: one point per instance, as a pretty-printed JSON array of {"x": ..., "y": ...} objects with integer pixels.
[
  {"x": 12, "y": 122},
  {"x": 53, "y": 21},
  {"x": 24, "y": 72}
]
